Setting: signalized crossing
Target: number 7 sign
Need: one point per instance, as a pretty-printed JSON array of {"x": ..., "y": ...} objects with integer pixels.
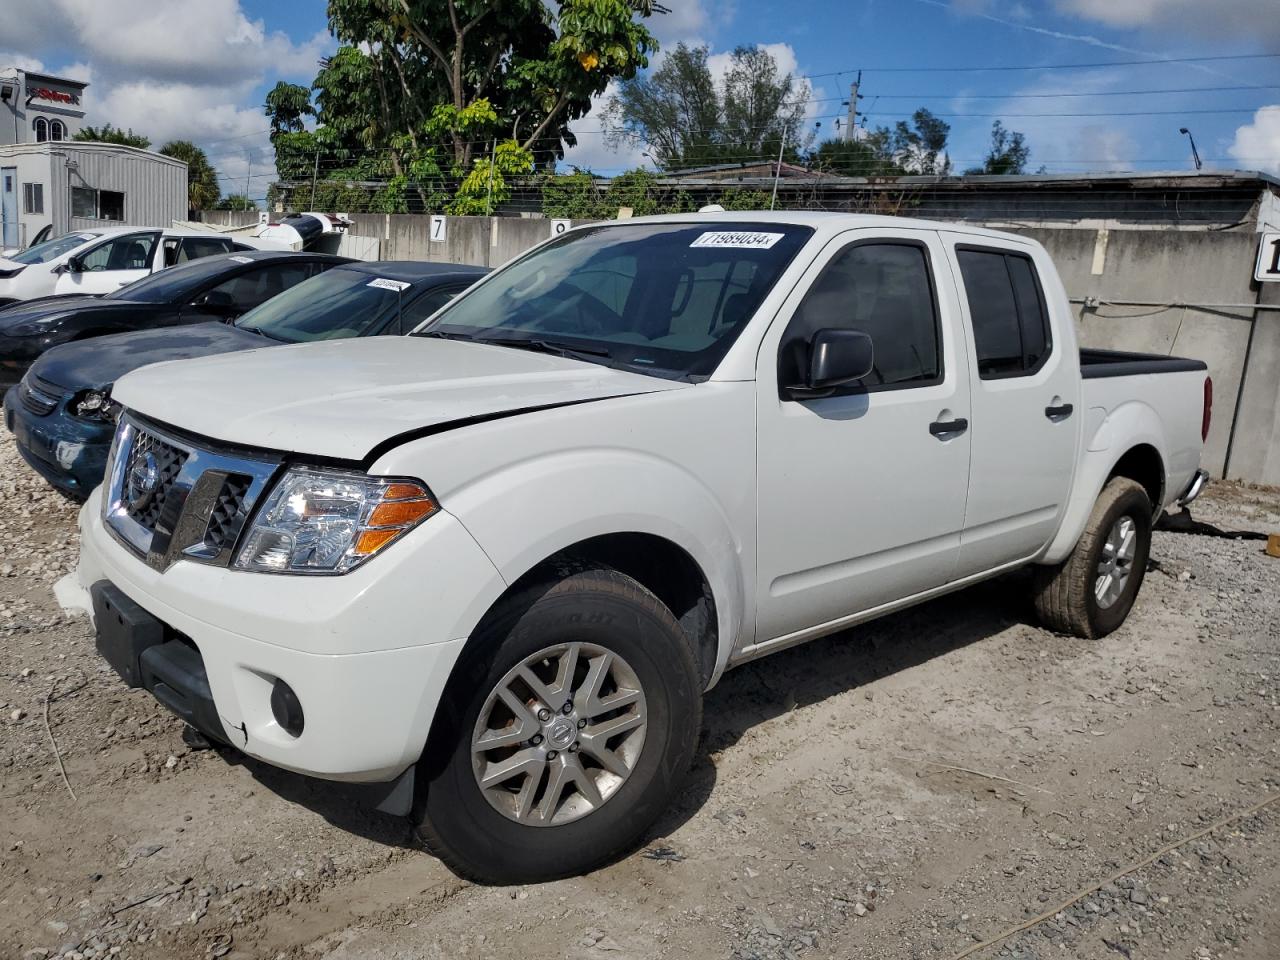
[{"x": 1268, "y": 258}]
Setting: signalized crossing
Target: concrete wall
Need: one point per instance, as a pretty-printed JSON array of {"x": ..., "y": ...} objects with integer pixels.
[{"x": 483, "y": 241}]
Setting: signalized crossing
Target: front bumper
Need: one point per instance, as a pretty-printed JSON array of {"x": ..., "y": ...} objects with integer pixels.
[
  {"x": 367, "y": 654},
  {"x": 70, "y": 454}
]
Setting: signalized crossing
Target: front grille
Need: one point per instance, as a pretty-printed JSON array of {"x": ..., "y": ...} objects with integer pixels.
[
  {"x": 39, "y": 396},
  {"x": 229, "y": 512},
  {"x": 169, "y": 497},
  {"x": 149, "y": 473}
]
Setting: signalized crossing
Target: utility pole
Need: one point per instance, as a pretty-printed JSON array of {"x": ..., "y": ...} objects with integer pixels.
[
  {"x": 851, "y": 130},
  {"x": 777, "y": 171},
  {"x": 315, "y": 175}
]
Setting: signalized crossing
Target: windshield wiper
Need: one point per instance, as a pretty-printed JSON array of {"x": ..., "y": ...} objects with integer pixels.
[
  {"x": 539, "y": 345},
  {"x": 443, "y": 335}
]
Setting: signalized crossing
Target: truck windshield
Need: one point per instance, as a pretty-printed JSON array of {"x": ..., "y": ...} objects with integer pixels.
[
  {"x": 53, "y": 249},
  {"x": 338, "y": 303},
  {"x": 661, "y": 298}
]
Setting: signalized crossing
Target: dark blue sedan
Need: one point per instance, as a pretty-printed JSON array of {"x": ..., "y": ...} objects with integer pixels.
[{"x": 62, "y": 414}]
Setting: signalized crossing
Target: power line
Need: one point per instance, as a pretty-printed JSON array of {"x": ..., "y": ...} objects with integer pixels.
[{"x": 1042, "y": 66}]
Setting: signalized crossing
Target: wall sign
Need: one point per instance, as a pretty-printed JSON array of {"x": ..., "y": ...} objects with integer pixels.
[
  {"x": 57, "y": 96},
  {"x": 560, "y": 226},
  {"x": 1268, "y": 267},
  {"x": 439, "y": 228}
]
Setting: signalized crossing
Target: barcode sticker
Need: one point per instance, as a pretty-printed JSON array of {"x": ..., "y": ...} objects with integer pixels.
[
  {"x": 383, "y": 284},
  {"x": 744, "y": 239}
]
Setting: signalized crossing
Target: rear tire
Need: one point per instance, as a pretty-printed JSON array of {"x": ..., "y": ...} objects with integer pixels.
[
  {"x": 540, "y": 680},
  {"x": 1091, "y": 593}
]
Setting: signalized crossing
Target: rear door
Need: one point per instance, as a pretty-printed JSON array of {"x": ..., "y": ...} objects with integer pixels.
[
  {"x": 111, "y": 264},
  {"x": 1025, "y": 404},
  {"x": 861, "y": 494}
]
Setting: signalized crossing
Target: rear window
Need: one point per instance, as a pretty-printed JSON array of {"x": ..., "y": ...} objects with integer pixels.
[{"x": 1007, "y": 310}]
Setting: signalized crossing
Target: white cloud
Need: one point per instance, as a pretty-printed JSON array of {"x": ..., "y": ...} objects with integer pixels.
[
  {"x": 1253, "y": 20},
  {"x": 592, "y": 153},
  {"x": 176, "y": 70},
  {"x": 1257, "y": 144}
]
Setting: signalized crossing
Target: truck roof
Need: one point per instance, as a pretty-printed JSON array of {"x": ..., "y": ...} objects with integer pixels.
[{"x": 823, "y": 222}]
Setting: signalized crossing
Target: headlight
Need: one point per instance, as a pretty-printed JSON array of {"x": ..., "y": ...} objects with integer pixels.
[
  {"x": 327, "y": 521},
  {"x": 95, "y": 405}
]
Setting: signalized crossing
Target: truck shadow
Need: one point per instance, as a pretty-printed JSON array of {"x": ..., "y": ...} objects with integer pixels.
[
  {"x": 751, "y": 695},
  {"x": 766, "y": 689}
]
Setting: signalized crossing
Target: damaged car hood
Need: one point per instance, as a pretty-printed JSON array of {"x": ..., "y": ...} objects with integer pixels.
[
  {"x": 343, "y": 398},
  {"x": 101, "y": 361}
]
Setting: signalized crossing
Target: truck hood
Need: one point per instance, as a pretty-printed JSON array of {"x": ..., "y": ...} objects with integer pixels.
[
  {"x": 100, "y": 361},
  {"x": 344, "y": 398}
]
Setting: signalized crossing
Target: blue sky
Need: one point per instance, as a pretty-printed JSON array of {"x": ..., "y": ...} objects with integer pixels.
[{"x": 199, "y": 68}]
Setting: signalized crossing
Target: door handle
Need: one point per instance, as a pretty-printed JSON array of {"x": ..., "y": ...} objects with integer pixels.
[
  {"x": 1060, "y": 412},
  {"x": 946, "y": 429}
]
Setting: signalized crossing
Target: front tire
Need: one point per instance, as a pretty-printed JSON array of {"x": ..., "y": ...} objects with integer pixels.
[
  {"x": 564, "y": 732},
  {"x": 1091, "y": 593}
]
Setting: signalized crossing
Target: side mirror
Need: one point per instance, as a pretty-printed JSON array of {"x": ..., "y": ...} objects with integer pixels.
[
  {"x": 70, "y": 265},
  {"x": 836, "y": 358},
  {"x": 217, "y": 302}
]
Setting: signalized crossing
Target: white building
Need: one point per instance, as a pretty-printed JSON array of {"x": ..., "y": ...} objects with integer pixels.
[{"x": 50, "y": 184}]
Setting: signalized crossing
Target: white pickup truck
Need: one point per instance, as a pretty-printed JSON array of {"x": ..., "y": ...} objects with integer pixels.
[{"x": 493, "y": 567}]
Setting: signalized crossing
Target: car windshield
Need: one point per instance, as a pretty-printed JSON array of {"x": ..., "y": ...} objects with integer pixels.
[
  {"x": 661, "y": 298},
  {"x": 53, "y": 249},
  {"x": 339, "y": 303}
]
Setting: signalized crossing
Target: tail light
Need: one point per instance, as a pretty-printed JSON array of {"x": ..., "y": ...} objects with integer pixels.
[{"x": 1207, "y": 417}]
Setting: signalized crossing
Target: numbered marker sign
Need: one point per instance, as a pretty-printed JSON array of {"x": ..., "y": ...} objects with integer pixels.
[
  {"x": 1268, "y": 258},
  {"x": 560, "y": 226},
  {"x": 439, "y": 229}
]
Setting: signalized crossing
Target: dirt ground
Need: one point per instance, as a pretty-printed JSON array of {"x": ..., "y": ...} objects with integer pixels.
[{"x": 910, "y": 789}]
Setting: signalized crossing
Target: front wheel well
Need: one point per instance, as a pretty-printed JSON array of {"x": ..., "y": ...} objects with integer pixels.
[
  {"x": 663, "y": 568},
  {"x": 1143, "y": 465}
]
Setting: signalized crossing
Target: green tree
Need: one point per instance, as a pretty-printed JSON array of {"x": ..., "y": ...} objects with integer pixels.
[
  {"x": 680, "y": 114},
  {"x": 287, "y": 105},
  {"x": 870, "y": 157},
  {"x": 202, "y": 178},
  {"x": 235, "y": 201},
  {"x": 1008, "y": 153},
  {"x": 109, "y": 134},
  {"x": 919, "y": 147}
]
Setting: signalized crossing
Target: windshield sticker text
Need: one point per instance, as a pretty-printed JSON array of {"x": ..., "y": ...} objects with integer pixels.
[
  {"x": 383, "y": 284},
  {"x": 745, "y": 240},
  {"x": 241, "y": 259}
]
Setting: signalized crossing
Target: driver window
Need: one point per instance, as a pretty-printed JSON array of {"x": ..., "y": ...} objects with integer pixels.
[
  {"x": 130, "y": 252},
  {"x": 884, "y": 290}
]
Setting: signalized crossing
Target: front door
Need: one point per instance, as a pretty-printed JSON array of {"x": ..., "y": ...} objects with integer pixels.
[
  {"x": 9, "y": 207},
  {"x": 861, "y": 494},
  {"x": 110, "y": 265},
  {"x": 1025, "y": 404}
]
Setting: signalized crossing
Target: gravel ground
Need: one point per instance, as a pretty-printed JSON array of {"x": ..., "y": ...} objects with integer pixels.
[{"x": 911, "y": 789}]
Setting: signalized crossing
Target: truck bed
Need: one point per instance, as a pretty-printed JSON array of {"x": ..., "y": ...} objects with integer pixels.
[{"x": 1118, "y": 363}]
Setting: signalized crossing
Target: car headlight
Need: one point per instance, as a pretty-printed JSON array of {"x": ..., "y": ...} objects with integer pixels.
[
  {"x": 95, "y": 405},
  {"x": 330, "y": 521}
]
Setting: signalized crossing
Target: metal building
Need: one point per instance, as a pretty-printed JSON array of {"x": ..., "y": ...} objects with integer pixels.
[{"x": 73, "y": 185}]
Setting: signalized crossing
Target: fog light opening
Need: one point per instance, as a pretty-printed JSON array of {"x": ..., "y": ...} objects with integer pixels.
[{"x": 286, "y": 708}]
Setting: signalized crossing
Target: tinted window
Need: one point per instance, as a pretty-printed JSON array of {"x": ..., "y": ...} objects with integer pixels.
[
  {"x": 337, "y": 304},
  {"x": 53, "y": 249},
  {"x": 1010, "y": 329},
  {"x": 248, "y": 290},
  {"x": 423, "y": 307},
  {"x": 884, "y": 291},
  {"x": 130, "y": 252},
  {"x": 193, "y": 248},
  {"x": 667, "y": 298}
]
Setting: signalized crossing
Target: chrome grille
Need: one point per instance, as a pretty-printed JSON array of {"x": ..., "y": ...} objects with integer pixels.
[
  {"x": 149, "y": 474},
  {"x": 169, "y": 499},
  {"x": 39, "y": 396},
  {"x": 230, "y": 511}
]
